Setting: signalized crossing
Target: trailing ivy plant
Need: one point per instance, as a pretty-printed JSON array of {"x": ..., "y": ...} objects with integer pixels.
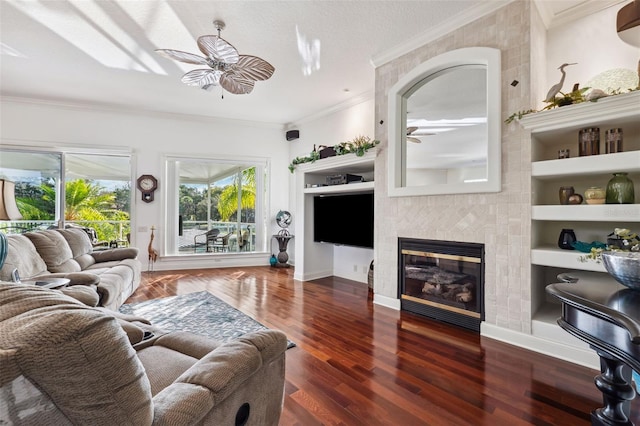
[{"x": 358, "y": 145}]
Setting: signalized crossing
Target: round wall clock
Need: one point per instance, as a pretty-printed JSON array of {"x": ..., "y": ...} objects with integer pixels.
[{"x": 147, "y": 184}]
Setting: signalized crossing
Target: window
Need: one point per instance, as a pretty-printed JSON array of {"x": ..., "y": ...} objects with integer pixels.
[
  {"x": 96, "y": 192},
  {"x": 215, "y": 206}
]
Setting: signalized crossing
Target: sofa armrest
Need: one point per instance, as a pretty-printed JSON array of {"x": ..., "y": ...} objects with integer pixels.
[
  {"x": 82, "y": 293},
  {"x": 75, "y": 278},
  {"x": 221, "y": 373},
  {"x": 115, "y": 254}
]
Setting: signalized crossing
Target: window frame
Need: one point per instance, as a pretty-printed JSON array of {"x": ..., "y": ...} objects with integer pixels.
[{"x": 170, "y": 211}]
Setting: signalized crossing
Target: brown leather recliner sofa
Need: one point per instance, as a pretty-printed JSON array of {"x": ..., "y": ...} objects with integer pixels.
[
  {"x": 68, "y": 253},
  {"x": 64, "y": 363}
]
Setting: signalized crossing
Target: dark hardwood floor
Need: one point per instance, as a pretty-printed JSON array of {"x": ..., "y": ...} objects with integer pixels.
[{"x": 361, "y": 364}]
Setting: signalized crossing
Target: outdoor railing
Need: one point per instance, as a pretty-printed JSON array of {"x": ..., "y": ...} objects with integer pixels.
[
  {"x": 191, "y": 228},
  {"x": 105, "y": 230}
]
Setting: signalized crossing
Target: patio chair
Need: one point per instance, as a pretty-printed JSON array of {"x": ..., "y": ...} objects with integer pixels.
[
  {"x": 221, "y": 243},
  {"x": 209, "y": 238}
]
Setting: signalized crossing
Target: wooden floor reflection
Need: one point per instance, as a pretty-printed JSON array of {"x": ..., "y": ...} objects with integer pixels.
[{"x": 361, "y": 364}]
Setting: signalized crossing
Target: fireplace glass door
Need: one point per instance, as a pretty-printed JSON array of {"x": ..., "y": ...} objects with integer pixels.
[{"x": 443, "y": 280}]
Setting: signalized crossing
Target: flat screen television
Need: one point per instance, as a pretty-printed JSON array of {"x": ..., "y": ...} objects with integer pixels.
[{"x": 345, "y": 219}]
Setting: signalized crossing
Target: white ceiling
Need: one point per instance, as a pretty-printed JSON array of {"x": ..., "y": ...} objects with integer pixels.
[{"x": 102, "y": 52}]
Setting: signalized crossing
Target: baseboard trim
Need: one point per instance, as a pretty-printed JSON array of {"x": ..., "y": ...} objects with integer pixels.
[
  {"x": 386, "y": 301},
  {"x": 312, "y": 275},
  {"x": 584, "y": 357}
]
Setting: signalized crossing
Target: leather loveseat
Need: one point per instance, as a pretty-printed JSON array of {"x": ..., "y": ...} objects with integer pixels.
[
  {"x": 64, "y": 363},
  {"x": 68, "y": 253}
]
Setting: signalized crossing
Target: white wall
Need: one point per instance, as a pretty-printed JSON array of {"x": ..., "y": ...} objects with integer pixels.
[
  {"x": 149, "y": 136},
  {"x": 330, "y": 129}
]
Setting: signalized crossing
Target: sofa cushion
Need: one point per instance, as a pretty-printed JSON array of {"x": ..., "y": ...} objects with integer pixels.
[
  {"x": 87, "y": 366},
  {"x": 23, "y": 256},
  {"x": 54, "y": 250},
  {"x": 80, "y": 246}
]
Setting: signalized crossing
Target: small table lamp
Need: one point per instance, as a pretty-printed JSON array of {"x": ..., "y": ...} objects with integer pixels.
[
  {"x": 8, "y": 211},
  {"x": 8, "y": 207}
]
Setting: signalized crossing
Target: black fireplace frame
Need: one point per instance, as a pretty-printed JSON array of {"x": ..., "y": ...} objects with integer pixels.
[{"x": 470, "y": 320}]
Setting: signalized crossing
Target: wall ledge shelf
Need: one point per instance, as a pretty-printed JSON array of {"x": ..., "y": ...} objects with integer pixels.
[
  {"x": 575, "y": 116},
  {"x": 568, "y": 259},
  {"x": 590, "y": 165},
  {"x": 350, "y": 163},
  {"x": 342, "y": 189},
  {"x": 589, "y": 213}
]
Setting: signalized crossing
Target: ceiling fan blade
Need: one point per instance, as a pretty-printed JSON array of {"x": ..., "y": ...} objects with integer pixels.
[
  {"x": 236, "y": 85},
  {"x": 253, "y": 68},
  {"x": 414, "y": 140},
  {"x": 218, "y": 49},
  {"x": 178, "y": 55},
  {"x": 411, "y": 130},
  {"x": 201, "y": 78}
]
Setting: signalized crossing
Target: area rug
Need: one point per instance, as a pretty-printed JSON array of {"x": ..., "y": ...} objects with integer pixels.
[{"x": 200, "y": 313}]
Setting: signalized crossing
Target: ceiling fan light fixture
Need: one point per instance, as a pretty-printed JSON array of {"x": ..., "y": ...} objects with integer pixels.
[{"x": 235, "y": 73}]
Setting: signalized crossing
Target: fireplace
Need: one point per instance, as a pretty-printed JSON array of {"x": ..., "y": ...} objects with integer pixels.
[{"x": 443, "y": 280}]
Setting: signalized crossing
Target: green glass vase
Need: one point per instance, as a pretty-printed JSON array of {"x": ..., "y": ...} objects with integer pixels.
[{"x": 620, "y": 190}]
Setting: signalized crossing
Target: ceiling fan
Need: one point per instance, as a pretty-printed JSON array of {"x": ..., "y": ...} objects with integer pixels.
[
  {"x": 411, "y": 138},
  {"x": 235, "y": 73}
]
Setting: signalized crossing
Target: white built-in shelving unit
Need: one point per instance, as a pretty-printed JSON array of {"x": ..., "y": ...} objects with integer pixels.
[
  {"x": 315, "y": 260},
  {"x": 558, "y": 129}
]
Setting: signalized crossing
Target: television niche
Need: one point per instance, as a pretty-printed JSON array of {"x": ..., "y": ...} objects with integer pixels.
[{"x": 345, "y": 219}]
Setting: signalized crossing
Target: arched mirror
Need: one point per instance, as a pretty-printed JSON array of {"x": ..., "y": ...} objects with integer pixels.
[{"x": 444, "y": 125}]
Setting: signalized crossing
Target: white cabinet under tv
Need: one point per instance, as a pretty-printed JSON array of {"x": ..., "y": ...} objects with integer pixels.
[{"x": 316, "y": 260}]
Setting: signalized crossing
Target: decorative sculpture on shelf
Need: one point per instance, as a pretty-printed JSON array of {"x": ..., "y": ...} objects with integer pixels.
[
  {"x": 556, "y": 88},
  {"x": 153, "y": 253}
]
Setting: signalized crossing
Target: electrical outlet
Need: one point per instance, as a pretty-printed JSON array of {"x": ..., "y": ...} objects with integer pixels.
[
  {"x": 355, "y": 268},
  {"x": 143, "y": 229}
]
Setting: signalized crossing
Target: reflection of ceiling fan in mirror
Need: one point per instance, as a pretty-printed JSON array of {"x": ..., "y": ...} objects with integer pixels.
[
  {"x": 414, "y": 139},
  {"x": 411, "y": 138}
]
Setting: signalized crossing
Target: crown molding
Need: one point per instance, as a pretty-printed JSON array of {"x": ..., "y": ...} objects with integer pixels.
[
  {"x": 577, "y": 11},
  {"x": 117, "y": 109},
  {"x": 355, "y": 100},
  {"x": 457, "y": 21}
]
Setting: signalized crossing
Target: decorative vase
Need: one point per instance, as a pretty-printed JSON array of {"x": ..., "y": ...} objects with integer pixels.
[
  {"x": 565, "y": 193},
  {"x": 613, "y": 141},
  {"x": 595, "y": 195},
  {"x": 273, "y": 260},
  {"x": 620, "y": 190},
  {"x": 575, "y": 199},
  {"x": 567, "y": 237}
]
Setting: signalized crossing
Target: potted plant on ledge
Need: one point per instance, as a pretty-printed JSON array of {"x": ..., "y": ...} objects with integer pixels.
[{"x": 358, "y": 145}]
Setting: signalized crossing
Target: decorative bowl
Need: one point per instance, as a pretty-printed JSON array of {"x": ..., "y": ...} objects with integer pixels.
[{"x": 624, "y": 266}]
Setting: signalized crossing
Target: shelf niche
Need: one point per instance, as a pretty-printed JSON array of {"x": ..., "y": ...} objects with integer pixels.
[
  {"x": 552, "y": 131},
  {"x": 315, "y": 260}
]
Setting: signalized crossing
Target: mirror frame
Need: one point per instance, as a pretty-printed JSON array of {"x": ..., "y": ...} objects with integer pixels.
[{"x": 397, "y": 137}]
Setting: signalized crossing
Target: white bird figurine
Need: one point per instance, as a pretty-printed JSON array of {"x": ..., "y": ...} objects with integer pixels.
[{"x": 557, "y": 87}]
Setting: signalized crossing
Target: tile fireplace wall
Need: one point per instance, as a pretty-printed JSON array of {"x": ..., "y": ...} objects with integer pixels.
[{"x": 500, "y": 221}]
